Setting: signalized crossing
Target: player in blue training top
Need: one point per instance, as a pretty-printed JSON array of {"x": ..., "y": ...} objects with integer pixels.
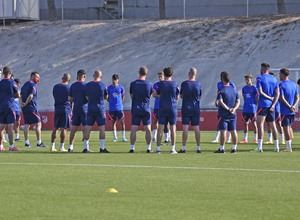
[
  {"x": 250, "y": 95},
  {"x": 228, "y": 104},
  {"x": 29, "y": 109},
  {"x": 116, "y": 113},
  {"x": 78, "y": 100},
  {"x": 96, "y": 93},
  {"x": 62, "y": 112},
  {"x": 268, "y": 90},
  {"x": 190, "y": 93},
  {"x": 140, "y": 92},
  {"x": 8, "y": 92},
  {"x": 168, "y": 93},
  {"x": 219, "y": 87},
  {"x": 289, "y": 99},
  {"x": 155, "y": 113}
]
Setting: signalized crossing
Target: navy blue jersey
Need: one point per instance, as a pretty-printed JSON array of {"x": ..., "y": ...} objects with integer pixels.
[
  {"x": 250, "y": 95},
  {"x": 229, "y": 95},
  {"x": 7, "y": 90},
  {"x": 60, "y": 95},
  {"x": 77, "y": 92},
  {"x": 168, "y": 92},
  {"x": 140, "y": 91},
  {"x": 96, "y": 92},
  {"x": 190, "y": 92},
  {"x": 27, "y": 89}
]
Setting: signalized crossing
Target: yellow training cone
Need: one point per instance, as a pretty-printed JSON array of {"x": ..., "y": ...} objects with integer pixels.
[{"x": 111, "y": 190}]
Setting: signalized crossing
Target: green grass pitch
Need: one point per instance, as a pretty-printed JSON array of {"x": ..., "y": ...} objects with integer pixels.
[{"x": 38, "y": 184}]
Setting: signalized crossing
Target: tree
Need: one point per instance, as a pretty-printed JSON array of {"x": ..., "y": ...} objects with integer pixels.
[
  {"x": 162, "y": 9},
  {"x": 281, "y": 7},
  {"x": 52, "y": 10}
]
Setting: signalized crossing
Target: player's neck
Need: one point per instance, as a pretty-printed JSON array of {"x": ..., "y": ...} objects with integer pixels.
[
  {"x": 168, "y": 78},
  {"x": 142, "y": 78}
]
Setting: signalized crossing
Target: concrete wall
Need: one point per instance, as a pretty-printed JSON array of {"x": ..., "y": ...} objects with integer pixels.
[{"x": 138, "y": 9}]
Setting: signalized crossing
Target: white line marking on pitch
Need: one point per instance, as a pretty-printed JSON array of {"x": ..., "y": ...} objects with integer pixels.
[{"x": 153, "y": 167}]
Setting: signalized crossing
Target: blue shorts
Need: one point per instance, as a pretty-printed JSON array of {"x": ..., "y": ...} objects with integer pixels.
[
  {"x": 31, "y": 117},
  {"x": 171, "y": 119},
  {"x": 99, "y": 118},
  {"x": 249, "y": 116},
  {"x": 18, "y": 116},
  {"x": 277, "y": 116},
  {"x": 155, "y": 114},
  {"x": 7, "y": 117},
  {"x": 145, "y": 118},
  {"x": 287, "y": 120},
  {"x": 270, "y": 116},
  {"x": 227, "y": 124},
  {"x": 62, "y": 120},
  {"x": 116, "y": 115},
  {"x": 194, "y": 120},
  {"x": 78, "y": 120}
]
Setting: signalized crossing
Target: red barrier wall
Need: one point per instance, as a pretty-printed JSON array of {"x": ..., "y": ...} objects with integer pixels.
[{"x": 208, "y": 121}]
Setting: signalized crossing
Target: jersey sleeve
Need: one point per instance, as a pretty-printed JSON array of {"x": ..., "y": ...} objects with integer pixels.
[{"x": 258, "y": 82}]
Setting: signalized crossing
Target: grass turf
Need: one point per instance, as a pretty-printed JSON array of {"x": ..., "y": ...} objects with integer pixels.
[{"x": 38, "y": 184}]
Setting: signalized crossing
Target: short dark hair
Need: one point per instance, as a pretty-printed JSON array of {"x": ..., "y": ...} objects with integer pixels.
[
  {"x": 265, "y": 66},
  {"x": 225, "y": 76},
  {"x": 17, "y": 80},
  {"x": 143, "y": 71},
  {"x": 115, "y": 77},
  {"x": 298, "y": 82},
  {"x": 168, "y": 71},
  {"x": 6, "y": 70},
  {"x": 284, "y": 71},
  {"x": 33, "y": 73}
]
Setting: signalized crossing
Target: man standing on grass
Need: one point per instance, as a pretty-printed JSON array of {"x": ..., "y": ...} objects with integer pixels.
[
  {"x": 29, "y": 109},
  {"x": 140, "y": 93},
  {"x": 96, "y": 93},
  {"x": 228, "y": 104},
  {"x": 62, "y": 112},
  {"x": 78, "y": 100},
  {"x": 168, "y": 93},
  {"x": 8, "y": 92},
  {"x": 116, "y": 113},
  {"x": 250, "y": 95},
  {"x": 289, "y": 98},
  {"x": 18, "y": 112},
  {"x": 190, "y": 92},
  {"x": 268, "y": 90}
]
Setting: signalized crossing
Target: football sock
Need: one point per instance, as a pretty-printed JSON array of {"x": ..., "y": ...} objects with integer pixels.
[
  {"x": 17, "y": 135},
  {"x": 86, "y": 144},
  {"x": 132, "y": 147},
  {"x": 62, "y": 145},
  {"x": 183, "y": 147},
  {"x": 27, "y": 142},
  {"x": 269, "y": 136},
  {"x": 255, "y": 136},
  {"x": 276, "y": 144},
  {"x": 221, "y": 147},
  {"x": 157, "y": 148},
  {"x": 173, "y": 148},
  {"x": 246, "y": 136},
  {"x": 282, "y": 137},
  {"x": 234, "y": 147},
  {"x": 115, "y": 134},
  {"x": 148, "y": 146},
  {"x": 198, "y": 147},
  {"x": 102, "y": 143},
  {"x": 259, "y": 144},
  {"x": 166, "y": 136},
  {"x": 123, "y": 134},
  {"x": 217, "y": 135},
  {"x": 39, "y": 141},
  {"x": 71, "y": 146},
  {"x": 289, "y": 144}
]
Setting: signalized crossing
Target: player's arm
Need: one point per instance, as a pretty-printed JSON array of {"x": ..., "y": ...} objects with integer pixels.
[
  {"x": 155, "y": 95},
  {"x": 222, "y": 104},
  {"x": 275, "y": 99},
  {"x": 28, "y": 100},
  {"x": 236, "y": 106},
  {"x": 261, "y": 93},
  {"x": 17, "y": 94}
]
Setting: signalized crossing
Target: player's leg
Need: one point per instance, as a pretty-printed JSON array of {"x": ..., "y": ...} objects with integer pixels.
[
  {"x": 122, "y": 125},
  {"x": 254, "y": 123},
  {"x": 102, "y": 136},
  {"x": 17, "y": 128},
  {"x": 155, "y": 124},
  {"x": 270, "y": 118},
  {"x": 135, "y": 122},
  {"x": 280, "y": 129},
  {"x": 26, "y": 134},
  {"x": 246, "y": 128},
  {"x": 86, "y": 138},
  {"x": 270, "y": 138},
  {"x": 2, "y": 127},
  {"x": 184, "y": 137},
  {"x": 167, "y": 133},
  {"x": 159, "y": 136},
  {"x": 197, "y": 137},
  {"x": 63, "y": 134},
  {"x": 114, "y": 132},
  {"x": 147, "y": 129},
  {"x": 53, "y": 138}
]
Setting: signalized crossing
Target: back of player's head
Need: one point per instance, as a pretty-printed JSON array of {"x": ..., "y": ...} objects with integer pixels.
[
  {"x": 6, "y": 71},
  {"x": 66, "y": 77},
  {"x": 298, "y": 82},
  {"x": 284, "y": 71},
  {"x": 168, "y": 71},
  {"x": 225, "y": 76},
  {"x": 193, "y": 71},
  {"x": 265, "y": 66},
  {"x": 115, "y": 77},
  {"x": 143, "y": 71},
  {"x": 271, "y": 73},
  {"x": 17, "y": 80},
  {"x": 80, "y": 73},
  {"x": 97, "y": 74},
  {"x": 33, "y": 74}
]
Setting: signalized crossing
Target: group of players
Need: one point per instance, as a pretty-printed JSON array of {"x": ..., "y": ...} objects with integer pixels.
[{"x": 83, "y": 104}]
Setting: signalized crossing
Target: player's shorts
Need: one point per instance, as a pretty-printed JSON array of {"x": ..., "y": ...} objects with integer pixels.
[
  {"x": 31, "y": 117},
  {"x": 227, "y": 124},
  {"x": 18, "y": 116},
  {"x": 270, "y": 115},
  {"x": 7, "y": 117},
  {"x": 99, "y": 118},
  {"x": 194, "y": 120},
  {"x": 287, "y": 120},
  {"x": 78, "y": 120},
  {"x": 249, "y": 117},
  {"x": 155, "y": 114},
  {"x": 145, "y": 119},
  {"x": 277, "y": 116},
  {"x": 171, "y": 119},
  {"x": 62, "y": 120},
  {"x": 116, "y": 115}
]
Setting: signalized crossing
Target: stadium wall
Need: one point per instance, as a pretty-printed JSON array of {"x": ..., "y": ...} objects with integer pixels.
[
  {"x": 208, "y": 121},
  {"x": 140, "y": 9}
]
